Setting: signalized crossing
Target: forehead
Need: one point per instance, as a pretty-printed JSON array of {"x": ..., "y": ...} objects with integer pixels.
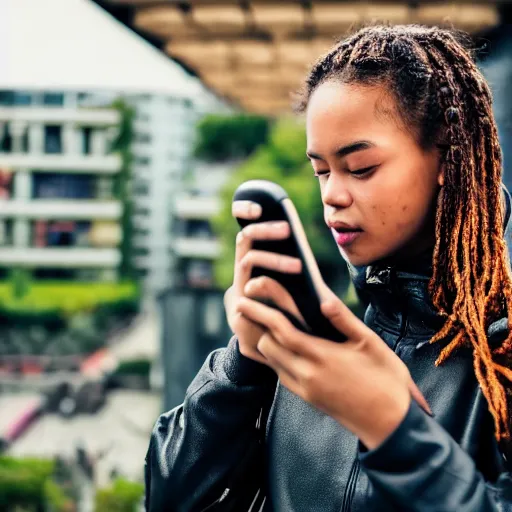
[{"x": 340, "y": 113}]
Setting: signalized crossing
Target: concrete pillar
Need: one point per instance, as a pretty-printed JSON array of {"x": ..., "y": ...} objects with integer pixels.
[
  {"x": 21, "y": 233},
  {"x": 104, "y": 187},
  {"x": 17, "y": 131},
  {"x": 98, "y": 142},
  {"x": 70, "y": 139},
  {"x": 23, "y": 185},
  {"x": 36, "y": 138},
  {"x": 3, "y": 233}
]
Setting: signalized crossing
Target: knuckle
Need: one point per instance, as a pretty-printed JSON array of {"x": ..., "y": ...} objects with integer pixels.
[
  {"x": 246, "y": 260},
  {"x": 308, "y": 377},
  {"x": 239, "y": 238},
  {"x": 248, "y": 231},
  {"x": 227, "y": 296},
  {"x": 263, "y": 283},
  {"x": 244, "y": 349}
]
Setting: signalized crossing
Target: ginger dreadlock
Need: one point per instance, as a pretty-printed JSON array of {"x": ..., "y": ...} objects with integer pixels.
[{"x": 443, "y": 96}]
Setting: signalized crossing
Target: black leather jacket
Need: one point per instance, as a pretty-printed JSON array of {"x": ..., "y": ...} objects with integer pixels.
[{"x": 449, "y": 463}]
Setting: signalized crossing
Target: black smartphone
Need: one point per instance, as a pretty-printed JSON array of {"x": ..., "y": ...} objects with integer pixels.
[{"x": 306, "y": 288}]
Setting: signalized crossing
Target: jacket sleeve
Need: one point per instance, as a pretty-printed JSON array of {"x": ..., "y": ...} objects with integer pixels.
[
  {"x": 421, "y": 468},
  {"x": 194, "y": 447}
]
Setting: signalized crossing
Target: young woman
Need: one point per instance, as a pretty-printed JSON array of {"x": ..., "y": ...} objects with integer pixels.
[{"x": 404, "y": 145}]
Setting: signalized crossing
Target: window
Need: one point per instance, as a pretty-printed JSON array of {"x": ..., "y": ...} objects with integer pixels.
[
  {"x": 6, "y": 184},
  {"x": 15, "y": 98},
  {"x": 5, "y": 139},
  {"x": 6, "y": 232},
  {"x": 25, "y": 141},
  {"x": 63, "y": 186},
  {"x": 141, "y": 188},
  {"x": 53, "y": 99},
  {"x": 142, "y": 160},
  {"x": 141, "y": 210},
  {"x": 198, "y": 229},
  {"x": 6, "y": 98},
  {"x": 86, "y": 140},
  {"x": 142, "y": 138},
  {"x": 140, "y": 251},
  {"x": 53, "y": 139}
]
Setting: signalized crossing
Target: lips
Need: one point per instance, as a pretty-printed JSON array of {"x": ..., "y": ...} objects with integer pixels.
[
  {"x": 345, "y": 238},
  {"x": 344, "y": 234}
]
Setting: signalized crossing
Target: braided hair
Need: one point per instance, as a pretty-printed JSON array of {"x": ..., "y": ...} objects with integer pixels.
[{"x": 443, "y": 97}]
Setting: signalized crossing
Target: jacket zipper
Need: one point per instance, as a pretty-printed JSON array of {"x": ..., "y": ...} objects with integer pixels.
[
  {"x": 403, "y": 325},
  {"x": 350, "y": 490}
]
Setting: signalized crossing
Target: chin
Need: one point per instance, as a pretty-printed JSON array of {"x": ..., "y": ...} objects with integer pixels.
[{"x": 360, "y": 257}]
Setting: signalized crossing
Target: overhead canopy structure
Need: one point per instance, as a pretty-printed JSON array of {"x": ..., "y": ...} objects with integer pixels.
[{"x": 255, "y": 52}]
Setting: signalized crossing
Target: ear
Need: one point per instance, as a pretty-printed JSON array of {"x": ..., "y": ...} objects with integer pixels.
[{"x": 440, "y": 176}]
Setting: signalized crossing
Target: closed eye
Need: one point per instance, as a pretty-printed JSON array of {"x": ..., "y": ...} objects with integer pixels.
[
  {"x": 362, "y": 172},
  {"x": 321, "y": 173}
]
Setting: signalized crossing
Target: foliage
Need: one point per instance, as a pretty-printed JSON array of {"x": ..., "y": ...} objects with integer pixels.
[
  {"x": 283, "y": 160},
  {"x": 28, "y": 483},
  {"x": 122, "y": 496},
  {"x": 56, "y": 498},
  {"x": 122, "y": 145},
  {"x": 66, "y": 297},
  {"x": 228, "y": 137},
  {"x": 64, "y": 318},
  {"x": 140, "y": 367},
  {"x": 20, "y": 282}
]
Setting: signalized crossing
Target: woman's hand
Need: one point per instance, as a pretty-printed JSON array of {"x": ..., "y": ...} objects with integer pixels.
[
  {"x": 361, "y": 383},
  {"x": 248, "y": 332}
]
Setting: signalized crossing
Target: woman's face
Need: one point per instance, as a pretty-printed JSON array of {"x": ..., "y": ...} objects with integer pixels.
[{"x": 378, "y": 186}]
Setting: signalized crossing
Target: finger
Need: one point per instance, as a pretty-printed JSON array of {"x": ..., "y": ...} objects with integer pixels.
[
  {"x": 242, "y": 274},
  {"x": 281, "y": 360},
  {"x": 291, "y": 369},
  {"x": 282, "y": 330},
  {"x": 250, "y": 331},
  {"x": 274, "y": 230},
  {"x": 272, "y": 261},
  {"x": 419, "y": 398},
  {"x": 246, "y": 210},
  {"x": 266, "y": 288},
  {"x": 341, "y": 317}
]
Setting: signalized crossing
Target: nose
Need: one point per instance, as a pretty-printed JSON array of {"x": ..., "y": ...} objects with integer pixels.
[{"x": 336, "y": 193}]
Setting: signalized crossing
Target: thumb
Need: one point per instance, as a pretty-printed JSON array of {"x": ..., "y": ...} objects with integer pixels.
[{"x": 341, "y": 317}]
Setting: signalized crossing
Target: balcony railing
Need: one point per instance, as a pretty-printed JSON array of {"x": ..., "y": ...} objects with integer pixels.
[
  {"x": 61, "y": 209},
  {"x": 65, "y": 257}
]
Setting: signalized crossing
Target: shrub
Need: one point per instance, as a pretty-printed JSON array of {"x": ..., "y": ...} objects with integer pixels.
[{"x": 122, "y": 496}]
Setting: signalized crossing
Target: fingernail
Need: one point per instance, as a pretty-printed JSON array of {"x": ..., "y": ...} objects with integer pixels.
[
  {"x": 255, "y": 210},
  {"x": 246, "y": 210},
  {"x": 427, "y": 409}
]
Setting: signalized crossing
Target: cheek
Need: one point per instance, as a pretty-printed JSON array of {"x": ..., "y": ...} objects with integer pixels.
[{"x": 395, "y": 217}]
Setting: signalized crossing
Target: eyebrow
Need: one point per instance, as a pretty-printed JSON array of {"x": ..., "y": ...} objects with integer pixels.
[{"x": 345, "y": 150}]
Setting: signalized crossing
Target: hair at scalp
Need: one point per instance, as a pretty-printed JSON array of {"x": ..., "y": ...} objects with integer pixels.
[{"x": 443, "y": 97}]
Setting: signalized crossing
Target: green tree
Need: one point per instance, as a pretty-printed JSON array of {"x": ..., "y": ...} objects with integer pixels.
[
  {"x": 227, "y": 137},
  {"x": 122, "y": 145},
  {"x": 282, "y": 160}
]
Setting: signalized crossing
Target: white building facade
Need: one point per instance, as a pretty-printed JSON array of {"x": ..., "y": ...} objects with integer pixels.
[
  {"x": 115, "y": 63},
  {"x": 58, "y": 213}
]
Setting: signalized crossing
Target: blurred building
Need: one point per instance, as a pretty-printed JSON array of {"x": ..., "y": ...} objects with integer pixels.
[
  {"x": 58, "y": 214},
  {"x": 164, "y": 131},
  {"x": 48, "y": 54},
  {"x": 195, "y": 244}
]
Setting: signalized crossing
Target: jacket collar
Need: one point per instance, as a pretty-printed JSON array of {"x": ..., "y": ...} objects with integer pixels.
[{"x": 390, "y": 288}]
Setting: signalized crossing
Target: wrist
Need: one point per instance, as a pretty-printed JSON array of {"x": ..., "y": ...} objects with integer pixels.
[{"x": 385, "y": 419}]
